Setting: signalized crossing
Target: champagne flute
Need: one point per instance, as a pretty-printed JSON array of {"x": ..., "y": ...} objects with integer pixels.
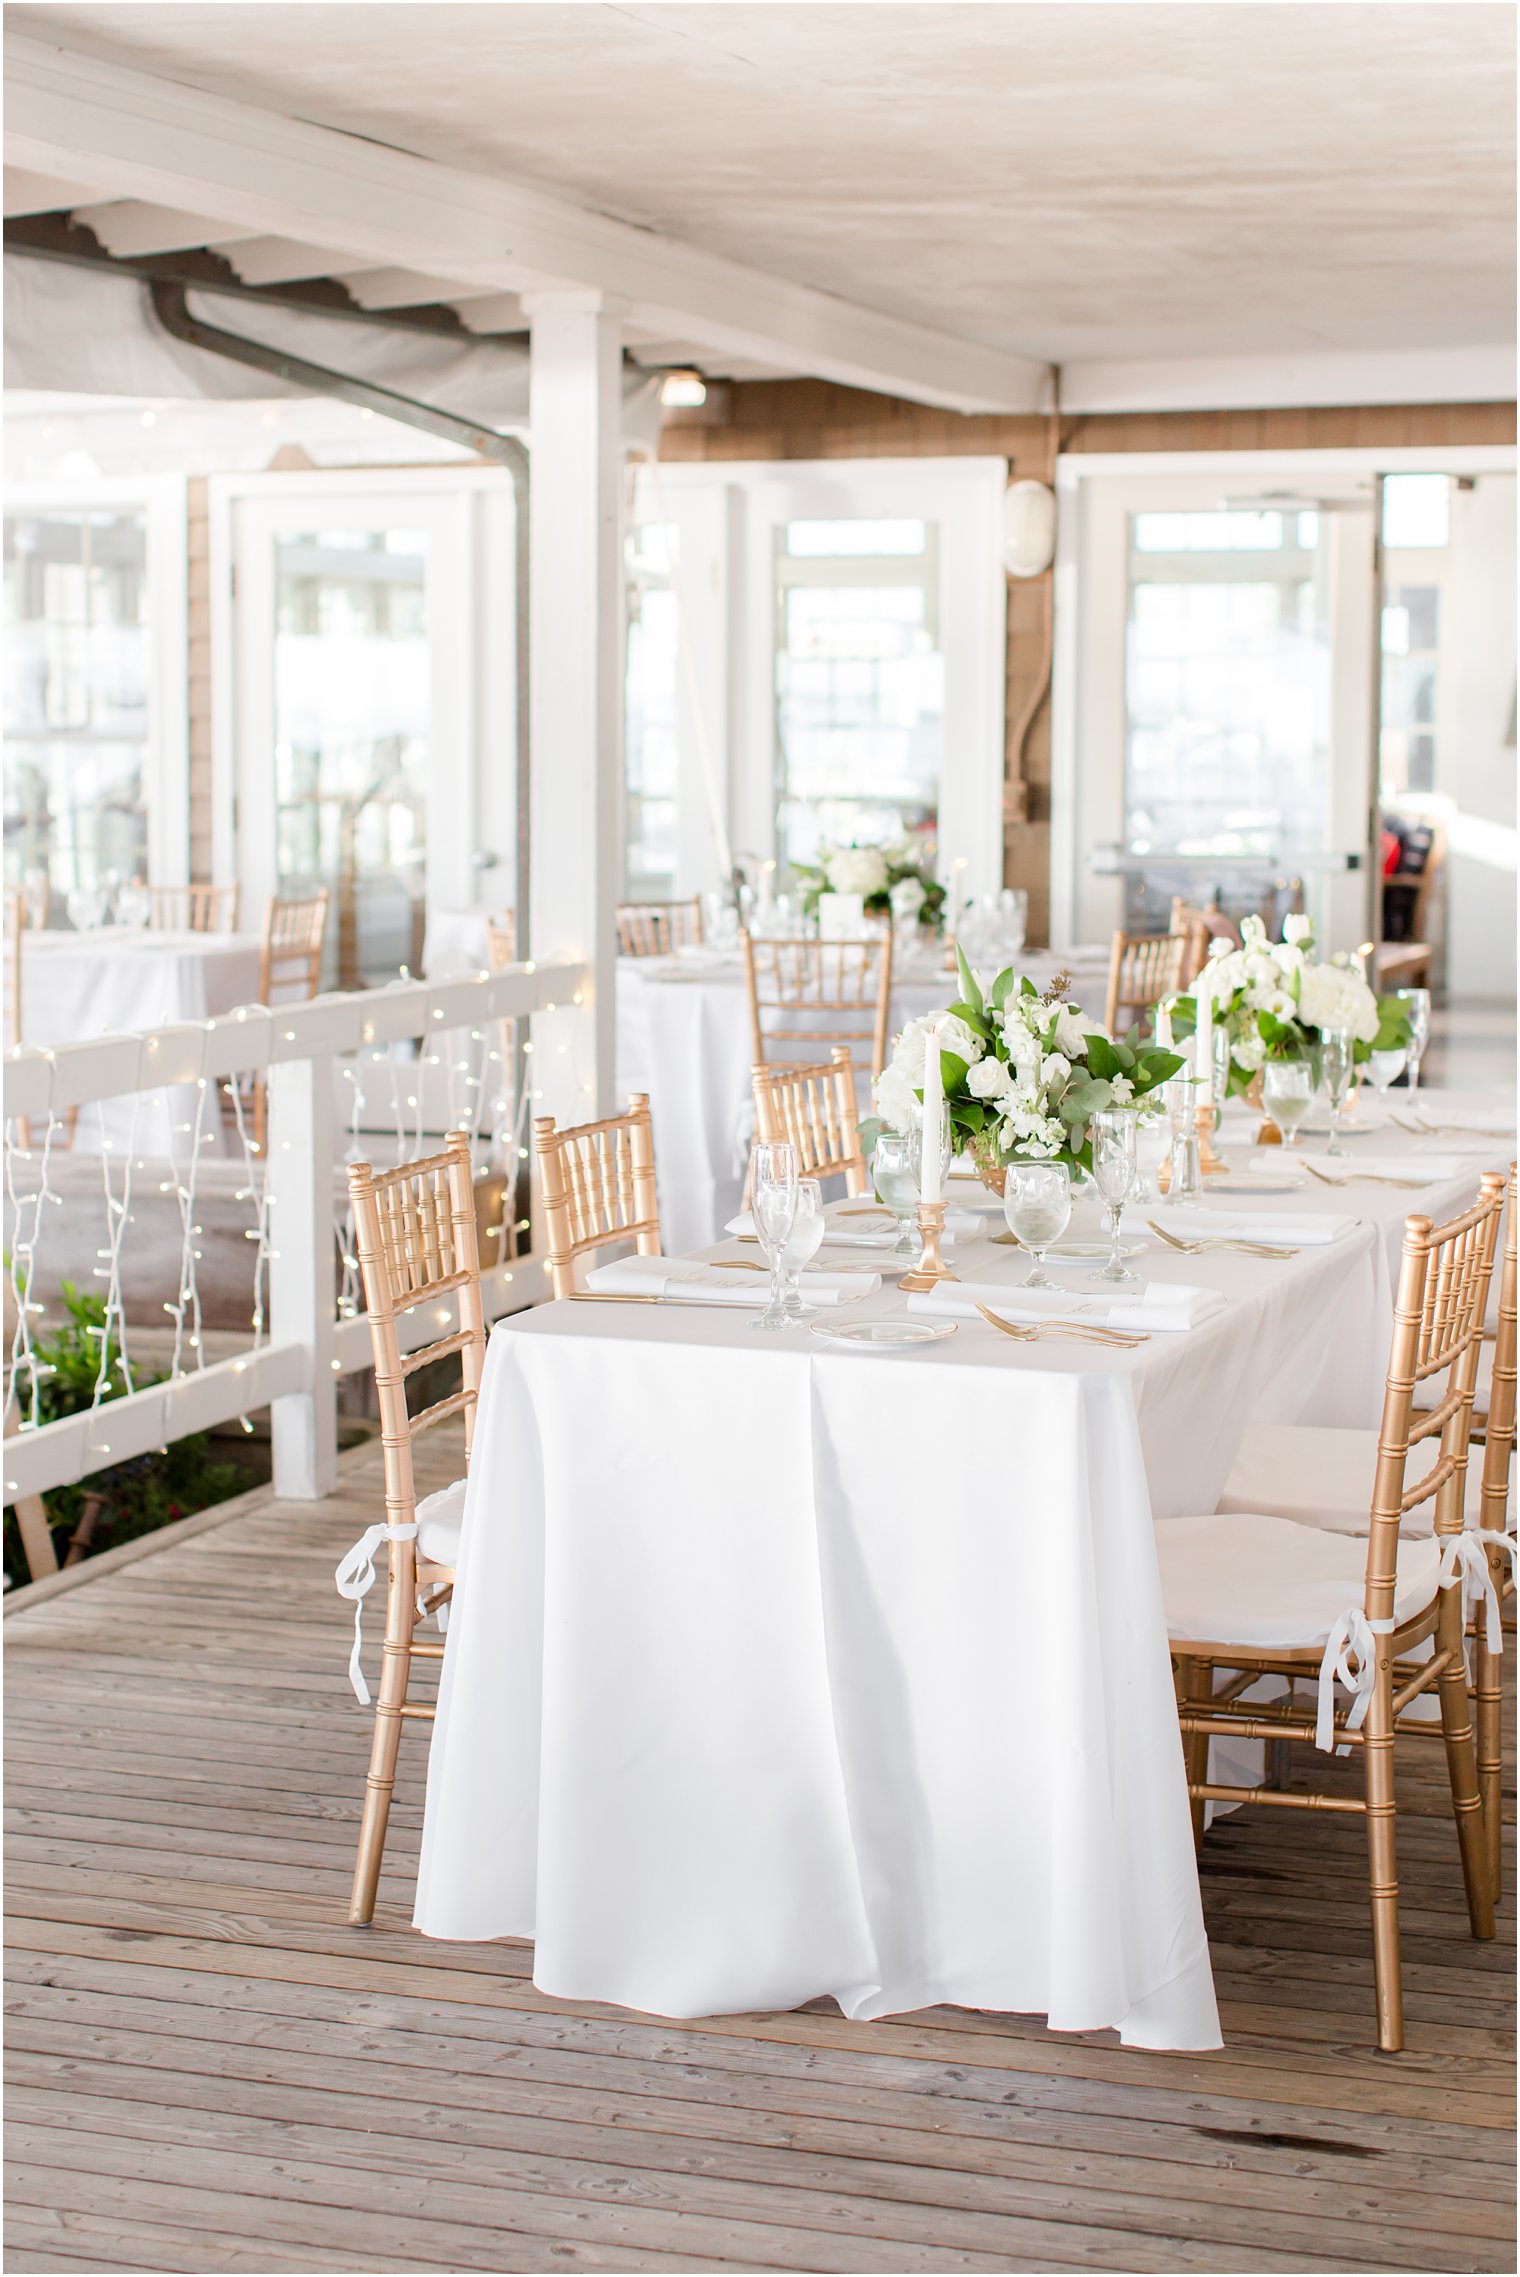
[
  {"x": 1037, "y": 1207},
  {"x": 1416, "y": 1003},
  {"x": 1287, "y": 1092},
  {"x": 894, "y": 1174},
  {"x": 802, "y": 1244},
  {"x": 1337, "y": 1059},
  {"x": 775, "y": 1207},
  {"x": 1113, "y": 1153}
]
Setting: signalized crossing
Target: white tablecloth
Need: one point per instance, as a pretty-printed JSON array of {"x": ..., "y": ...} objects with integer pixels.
[
  {"x": 811, "y": 1671},
  {"x": 118, "y": 982},
  {"x": 683, "y": 1035}
]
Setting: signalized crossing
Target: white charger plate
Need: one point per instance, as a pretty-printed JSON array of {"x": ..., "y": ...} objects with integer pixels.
[{"x": 884, "y": 1335}]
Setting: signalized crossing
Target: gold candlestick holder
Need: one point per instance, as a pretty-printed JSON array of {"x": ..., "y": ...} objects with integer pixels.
[
  {"x": 931, "y": 1266},
  {"x": 1210, "y": 1163}
]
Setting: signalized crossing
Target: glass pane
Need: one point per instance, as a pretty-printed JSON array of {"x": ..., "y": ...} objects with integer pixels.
[
  {"x": 1227, "y": 690},
  {"x": 1416, "y": 509},
  {"x": 352, "y": 683},
  {"x": 860, "y": 687},
  {"x": 76, "y": 695},
  {"x": 1411, "y": 690},
  {"x": 651, "y": 718}
]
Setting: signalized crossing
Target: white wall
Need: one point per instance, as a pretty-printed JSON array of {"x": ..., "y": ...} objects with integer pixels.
[{"x": 1477, "y": 763}]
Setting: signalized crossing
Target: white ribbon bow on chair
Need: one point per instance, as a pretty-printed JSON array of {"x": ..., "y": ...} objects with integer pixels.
[
  {"x": 1464, "y": 1558},
  {"x": 355, "y": 1578},
  {"x": 1352, "y": 1635}
]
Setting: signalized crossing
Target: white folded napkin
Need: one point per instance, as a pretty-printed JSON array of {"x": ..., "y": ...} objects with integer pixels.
[
  {"x": 1428, "y": 1168},
  {"x": 718, "y": 1284},
  {"x": 1161, "y": 1308},
  {"x": 1425, "y": 1108},
  {"x": 1191, "y": 1224},
  {"x": 868, "y": 1230}
]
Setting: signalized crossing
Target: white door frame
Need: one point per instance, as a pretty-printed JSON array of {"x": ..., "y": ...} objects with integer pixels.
[
  {"x": 467, "y": 512},
  {"x": 964, "y": 496},
  {"x": 1083, "y": 691},
  {"x": 166, "y": 772}
]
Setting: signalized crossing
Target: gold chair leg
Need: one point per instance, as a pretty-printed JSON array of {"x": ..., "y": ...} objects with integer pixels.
[
  {"x": 1383, "y": 1878},
  {"x": 1488, "y": 1705},
  {"x": 1194, "y": 1679},
  {"x": 380, "y": 1782},
  {"x": 1462, "y": 1770}
]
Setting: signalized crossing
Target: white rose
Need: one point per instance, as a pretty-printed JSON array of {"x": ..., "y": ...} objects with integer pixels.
[
  {"x": 908, "y": 1053},
  {"x": 856, "y": 869},
  {"x": 1072, "y": 1029},
  {"x": 955, "y": 1036},
  {"x": 893, "y": 1096},
  {"x": 1298, "y": 931},
  {"x": 1055, "y": 1069},
  {"x": 989, "y": 1079}
]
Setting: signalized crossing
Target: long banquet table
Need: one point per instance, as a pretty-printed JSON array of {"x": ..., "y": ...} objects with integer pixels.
[
  {"x": 778, "y": 1669},
  {"x": 683, "y": 1036}
]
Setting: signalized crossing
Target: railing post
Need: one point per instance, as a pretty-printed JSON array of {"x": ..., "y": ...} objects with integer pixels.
[{"x": 304, "y": 1424}]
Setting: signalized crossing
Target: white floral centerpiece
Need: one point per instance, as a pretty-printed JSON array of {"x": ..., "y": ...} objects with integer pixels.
[
  {"x": 894, "y": 881},
  {"x": 1024, "y": 1073},
  {"x": 1277, "y": 1000}
]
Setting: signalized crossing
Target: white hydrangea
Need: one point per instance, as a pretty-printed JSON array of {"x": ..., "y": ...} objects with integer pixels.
[
  {"x": 893, "y": 1095},
  {"x": 856, "y": 869},
  {"x": 1333, "y": 997}
]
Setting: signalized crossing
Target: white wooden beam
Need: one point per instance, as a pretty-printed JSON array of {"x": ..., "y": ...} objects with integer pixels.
[
  {"x": 276, "y": 260},
  {"x": 392, "y": 288},
  {"x": 576, "y": 645},
  {"x": 488, "y": 312},
  {"x": 175, "y": 146},
  {"x": 26, "y": 192},
  {"x": 130, "y": 229},
  {"x": 1484, "y": 374}
]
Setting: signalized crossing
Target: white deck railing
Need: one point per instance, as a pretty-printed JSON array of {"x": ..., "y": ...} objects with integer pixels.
[{"x": 294, "y": 1369}]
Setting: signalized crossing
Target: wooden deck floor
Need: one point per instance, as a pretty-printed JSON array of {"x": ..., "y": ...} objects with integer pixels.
[{"x": 208, "y": 2071}]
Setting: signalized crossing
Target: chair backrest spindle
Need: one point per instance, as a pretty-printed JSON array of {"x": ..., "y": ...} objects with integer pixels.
[{"x": 598, "y": 1188}]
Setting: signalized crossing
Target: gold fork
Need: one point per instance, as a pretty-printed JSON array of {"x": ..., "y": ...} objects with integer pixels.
[
  {"x": 1117, "y": 1338},
  {"x": 1363, "y": 1178},
  {"x": 1219, "y": 1241}
]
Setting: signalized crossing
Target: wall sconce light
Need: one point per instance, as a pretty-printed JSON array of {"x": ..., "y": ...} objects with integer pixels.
[
  {"x": 1029, "y": 528},
  {"x": 684, "y": 390}
]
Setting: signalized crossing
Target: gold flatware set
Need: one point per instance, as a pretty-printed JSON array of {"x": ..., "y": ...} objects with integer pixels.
[
  {"x": 1364, "y": 1178},
  {"x": 1117, "y": 1339},
  {"x": 1219, "y": 1241}
]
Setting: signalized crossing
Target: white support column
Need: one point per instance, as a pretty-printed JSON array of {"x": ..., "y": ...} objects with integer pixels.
[
  {"x": 576, "y": 645},
  {"x": 303, "y": 1425}
]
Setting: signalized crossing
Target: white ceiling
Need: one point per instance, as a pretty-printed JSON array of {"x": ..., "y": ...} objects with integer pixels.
[{"x": 1072, "y": 181}]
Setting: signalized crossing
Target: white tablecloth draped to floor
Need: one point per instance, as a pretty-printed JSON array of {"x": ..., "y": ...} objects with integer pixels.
[
  {"x": 683, "y": 1035},
  {"x": 118, "y": 982}
]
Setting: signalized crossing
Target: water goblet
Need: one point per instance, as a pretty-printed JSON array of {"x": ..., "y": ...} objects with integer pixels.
[
  {"x": 894, "y": 1173},
  {"x": 1385, "y": 1068},
  {"x": 1287, "y": 1091},
  {"x": 801, "y": 1245},
  {"x": 134, "y": 905},
  {"x": 775, "y": 1207},
  {"x": 1153, "y": 1142},
  {"x": 1113, "y": 1154},
  {"x": 1037, "y": 1208},
  {"x": 1337, "y": 1061},
  {"x": 1416, "y": 1003}
]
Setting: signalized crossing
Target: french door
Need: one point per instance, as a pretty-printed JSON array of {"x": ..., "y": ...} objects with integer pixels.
[
  {"x": 1215, "y": 732},
  {"x": 371, "y": 715}
]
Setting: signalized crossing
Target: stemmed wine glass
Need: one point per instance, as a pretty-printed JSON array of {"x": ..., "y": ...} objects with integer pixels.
[
  {"x": 801, "y": 1245},
  {"x": 1113, "y": 1153},
  {"x": 1153, "y": 1143},
  {"x": 895, "y": 1176},
  {"x": 775, "y": 1209},
  {"x": 1336, "y": 1059},
  {"x": 1385, "y": 1068},
  {"x": 1416, "y": 1003},
  {"x": 1037, "y": 1207},
  {"x": 1287, "y": 1092}
]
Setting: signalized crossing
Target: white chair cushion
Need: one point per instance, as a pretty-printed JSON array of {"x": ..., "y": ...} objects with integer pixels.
[
  {"x": 1323, "y": 1477},
  {"x": 1248, "y": 1578},
  {"x": 439, "y": 1518}
]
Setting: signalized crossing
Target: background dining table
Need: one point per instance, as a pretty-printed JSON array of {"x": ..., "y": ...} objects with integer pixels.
[
  {"x": 683, "y": 1036},
  {"x": 119, "y": 980},
  {"x": 779, "y": 1668}
]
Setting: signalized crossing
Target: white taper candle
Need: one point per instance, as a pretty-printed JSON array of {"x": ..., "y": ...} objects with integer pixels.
[{"x": 929, "y": 1186}]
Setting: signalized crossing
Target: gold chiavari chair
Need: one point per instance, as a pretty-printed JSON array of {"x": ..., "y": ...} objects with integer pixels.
[
  {"x": 1215, "y": 925},
  {"x": 1258, "y": 1595},
  {"x": 193, "y": 908},
  {"x": 810, "y": 988},
  {"x": 290, "y": 958},
  {"x": 814, "y": 1110},
  {"x": 416, "y": 1242},
  {"x": 658, "y": 928},
  {"x": 598, "y": 1188},
  {"x": 1143, "y": 969}
]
